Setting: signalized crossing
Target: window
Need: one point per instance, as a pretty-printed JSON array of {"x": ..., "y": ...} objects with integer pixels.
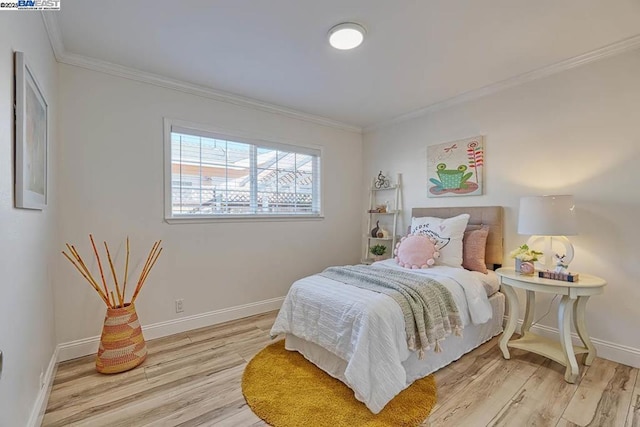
[{"x": 212, "y": 175}]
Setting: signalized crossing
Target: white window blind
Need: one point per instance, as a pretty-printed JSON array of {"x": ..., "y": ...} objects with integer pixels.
[{"x": 215, "y": 175}]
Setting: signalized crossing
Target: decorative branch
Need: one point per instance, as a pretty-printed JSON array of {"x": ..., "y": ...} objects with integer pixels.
[
  {"x": 89, "y": 279},
  {"x": 151, "y": 259},
  {"x": 126, "y": 272},
  {"x": 146, "y": 274},
  {"x": 115, "y": 278},
  {"x": 95, "y": 251},
  {"x": 111, "y": 299}
]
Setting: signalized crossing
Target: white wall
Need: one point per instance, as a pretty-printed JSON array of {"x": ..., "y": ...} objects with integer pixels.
[
  {"x": 26, "y": 237},
  {"x": 111, "y": 179},
  {"x": 577, "y": 133}
]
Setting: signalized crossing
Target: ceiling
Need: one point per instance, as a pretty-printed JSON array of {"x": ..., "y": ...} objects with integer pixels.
[{"x": 417, "y": 52}]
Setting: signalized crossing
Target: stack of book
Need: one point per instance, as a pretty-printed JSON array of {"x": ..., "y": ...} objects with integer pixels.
[{"x": 565, "y": 277}]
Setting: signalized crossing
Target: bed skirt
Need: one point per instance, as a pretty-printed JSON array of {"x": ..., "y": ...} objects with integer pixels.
[{"x": 453, "y": 348}]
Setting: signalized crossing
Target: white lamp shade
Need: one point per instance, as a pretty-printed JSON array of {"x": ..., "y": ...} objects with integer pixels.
[{"x": 547, "y": 216}]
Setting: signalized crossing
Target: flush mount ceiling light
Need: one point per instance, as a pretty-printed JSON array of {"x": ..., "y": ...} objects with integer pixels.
[{"x": 347, "y": 35}]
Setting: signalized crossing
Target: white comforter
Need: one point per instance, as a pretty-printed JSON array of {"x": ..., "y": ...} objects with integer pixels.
[{"x": 366, "y": 329}]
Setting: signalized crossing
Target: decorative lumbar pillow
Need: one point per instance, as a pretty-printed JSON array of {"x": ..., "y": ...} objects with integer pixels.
[
  {"x": 448, "y": 234},
  {"x": 474, "y": 245},
  {"x": 416, "y": 251}
]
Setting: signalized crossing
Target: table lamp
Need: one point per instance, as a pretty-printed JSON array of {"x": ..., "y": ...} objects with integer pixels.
[{"x": 550, "y": 218}]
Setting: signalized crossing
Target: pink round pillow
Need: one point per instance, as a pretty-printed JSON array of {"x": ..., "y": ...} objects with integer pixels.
[{"x": 416, "y": 251}]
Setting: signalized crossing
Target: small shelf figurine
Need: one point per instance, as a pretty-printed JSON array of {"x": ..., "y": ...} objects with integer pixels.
[
  {"x": 381, "y": 181},
  {"x": 383, "y": 234},
  {"x": 374, "y": 232}
]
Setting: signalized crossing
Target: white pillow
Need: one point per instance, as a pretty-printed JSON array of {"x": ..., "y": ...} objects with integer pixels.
[{"x": 448, "y": 234}]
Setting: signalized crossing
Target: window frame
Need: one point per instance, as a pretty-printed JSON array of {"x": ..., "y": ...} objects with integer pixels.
[{"x": 241, "y": 137}]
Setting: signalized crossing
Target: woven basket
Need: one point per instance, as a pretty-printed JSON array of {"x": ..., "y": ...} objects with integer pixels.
[{"x": 122, "y": 345}]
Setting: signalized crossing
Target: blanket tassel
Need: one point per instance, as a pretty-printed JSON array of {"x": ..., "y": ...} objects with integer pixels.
[
  {"x": 412, "y": 343},
  {"x": 438, "y": 347}
]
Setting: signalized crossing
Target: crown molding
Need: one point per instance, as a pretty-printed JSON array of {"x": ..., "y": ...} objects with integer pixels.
[
  {"x": 53, "y": 31},
  {"x": 613, "y": 49},
  {"x": 198, "y": 90},
  {"x": 64, "y": 57}
]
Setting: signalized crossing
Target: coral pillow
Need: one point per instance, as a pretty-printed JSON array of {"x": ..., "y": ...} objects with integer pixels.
[
  {"x": 416, "y": 251},
  {"x": 474, "y": 245}
]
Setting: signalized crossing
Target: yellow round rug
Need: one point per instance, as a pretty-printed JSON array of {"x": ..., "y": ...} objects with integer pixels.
[{"x": 286, "y": 390}]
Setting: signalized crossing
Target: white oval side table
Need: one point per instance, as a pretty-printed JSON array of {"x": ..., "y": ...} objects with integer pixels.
[{"x": 572, "y": 306}]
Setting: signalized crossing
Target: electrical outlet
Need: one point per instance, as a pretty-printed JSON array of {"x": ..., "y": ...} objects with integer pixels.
[
  {"x": 179, "y": 305},
  {"x": 41, "y": 379}
]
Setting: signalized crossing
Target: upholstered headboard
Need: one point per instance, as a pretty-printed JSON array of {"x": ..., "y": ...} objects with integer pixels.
[{"x": 491, "y": 216}]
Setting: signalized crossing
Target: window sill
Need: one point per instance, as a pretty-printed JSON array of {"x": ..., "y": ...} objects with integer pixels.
[{"x": 242, "y": 218}]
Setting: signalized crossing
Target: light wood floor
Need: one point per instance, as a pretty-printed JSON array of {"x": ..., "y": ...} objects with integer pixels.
[{"x": 193, "y": 379}]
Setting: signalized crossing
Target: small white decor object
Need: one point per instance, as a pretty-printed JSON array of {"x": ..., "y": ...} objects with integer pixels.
[{"x": 561, "y": 263}]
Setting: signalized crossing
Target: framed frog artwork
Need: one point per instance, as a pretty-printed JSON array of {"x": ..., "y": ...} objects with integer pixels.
[{"x": 455, "y": 168}]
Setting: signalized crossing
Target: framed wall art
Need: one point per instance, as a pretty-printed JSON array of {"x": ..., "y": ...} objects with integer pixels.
[
  {"x": 31, "y": 138},
  {"x": 455, "y": 168}
]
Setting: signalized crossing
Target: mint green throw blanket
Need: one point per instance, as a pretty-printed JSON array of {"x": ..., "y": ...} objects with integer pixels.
[{"x": 430, "y": 313}]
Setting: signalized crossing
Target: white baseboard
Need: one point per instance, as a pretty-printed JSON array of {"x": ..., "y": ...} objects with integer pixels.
[
  {"x": 40, "y": 406},
  {"x": 78, "y": 348},
  {"x": 87, "y": 346},
  {"x": 607, "y": 350}
]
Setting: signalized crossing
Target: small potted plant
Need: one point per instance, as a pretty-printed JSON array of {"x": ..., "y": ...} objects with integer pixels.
[
  {"x": 525, "y": 257},
  {"x": 378, "y": 252}
]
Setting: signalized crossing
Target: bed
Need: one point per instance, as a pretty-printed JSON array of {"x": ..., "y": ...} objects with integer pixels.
[{"x": 358, "y": 336}]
